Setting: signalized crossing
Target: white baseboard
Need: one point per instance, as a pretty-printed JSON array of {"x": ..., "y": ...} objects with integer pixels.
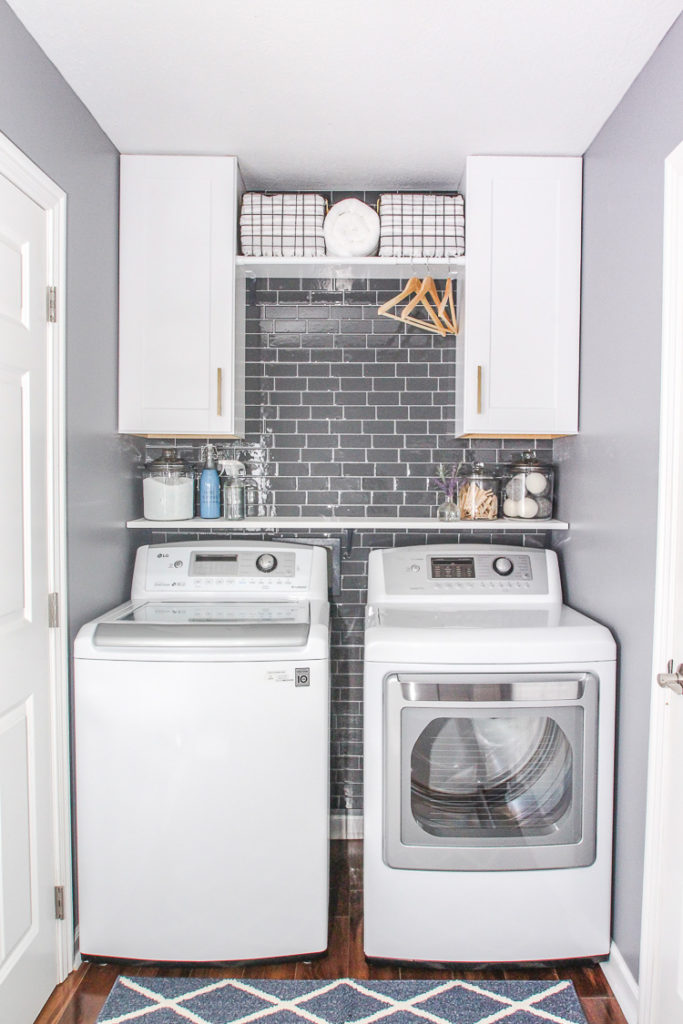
[
  {"x": 622, "y": 983},
  {"x": 346, "y": 826}
]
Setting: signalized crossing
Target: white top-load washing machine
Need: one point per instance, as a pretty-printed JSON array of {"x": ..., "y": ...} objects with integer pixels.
[
  {"x": 202, "y": 735},
  {"x": 488, "y": 759}
]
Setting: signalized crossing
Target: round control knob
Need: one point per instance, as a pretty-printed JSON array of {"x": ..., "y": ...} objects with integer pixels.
[
  {"x": 503, "y": 566},
  {"x": 266, "y": 563}
]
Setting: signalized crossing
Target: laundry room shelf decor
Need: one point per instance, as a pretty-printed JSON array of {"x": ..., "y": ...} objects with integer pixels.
[
  {"x": 329, "y": 1002},
  {"x": 346, "y": 523}
]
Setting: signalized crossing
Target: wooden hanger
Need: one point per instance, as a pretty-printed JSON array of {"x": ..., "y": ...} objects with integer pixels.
[
  {"x": 450, "y": 318},
  {"x": 425, "y": 293},
  {"x": 413, "y": 287}
]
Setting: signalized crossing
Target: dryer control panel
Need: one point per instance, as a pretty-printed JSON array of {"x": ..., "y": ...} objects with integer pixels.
[{"x": 465, "y": 572}]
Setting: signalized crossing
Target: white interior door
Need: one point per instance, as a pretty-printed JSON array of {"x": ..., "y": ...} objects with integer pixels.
[
  {"x": 28, "y": 930},
  {"x": 661, "y": 980}
]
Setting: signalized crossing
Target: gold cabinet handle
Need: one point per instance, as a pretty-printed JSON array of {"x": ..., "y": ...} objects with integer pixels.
[
  {"x": 219, "y": 390},
  {"x": 479, "y": 370}
]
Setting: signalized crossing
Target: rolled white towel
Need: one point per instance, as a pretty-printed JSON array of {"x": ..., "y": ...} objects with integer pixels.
[{"x": 351, "y": 228}]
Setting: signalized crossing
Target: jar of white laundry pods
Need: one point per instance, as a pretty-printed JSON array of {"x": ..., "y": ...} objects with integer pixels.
[{"x": 527, "y": 489}]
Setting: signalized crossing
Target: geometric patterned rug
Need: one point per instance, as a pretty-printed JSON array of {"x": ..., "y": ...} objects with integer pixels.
[{"x": 342, "y": 1001}]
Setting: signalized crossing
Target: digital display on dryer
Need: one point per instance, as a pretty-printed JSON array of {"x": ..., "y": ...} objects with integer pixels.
[{"x": 452, "y": 568}]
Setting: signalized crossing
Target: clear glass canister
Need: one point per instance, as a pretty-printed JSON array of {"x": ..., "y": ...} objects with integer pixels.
[
  {"x": 234, "y": 498},
  {"x": 478, "y": 492},
  {"x": 168, "y": 488},
  {"x": 528, "y": 487}
]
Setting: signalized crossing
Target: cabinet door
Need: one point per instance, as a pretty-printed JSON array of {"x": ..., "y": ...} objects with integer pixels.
[
  {"x": 519, "y": 358},
  {"x": 180, "y": 368}
]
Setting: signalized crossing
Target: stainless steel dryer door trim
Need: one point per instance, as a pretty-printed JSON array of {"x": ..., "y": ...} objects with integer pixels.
[
  {"x": 412, "y": 701},
  {"x": 547, "y": 686}
]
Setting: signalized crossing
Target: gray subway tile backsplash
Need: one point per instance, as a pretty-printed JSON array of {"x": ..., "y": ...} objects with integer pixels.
[{"x": 351, "y": 413}]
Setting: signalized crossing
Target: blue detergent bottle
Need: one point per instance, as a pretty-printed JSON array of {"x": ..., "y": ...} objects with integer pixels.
[{"x": 209, "y": 487}]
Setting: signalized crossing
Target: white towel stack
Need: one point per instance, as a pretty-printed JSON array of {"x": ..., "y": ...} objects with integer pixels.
[
  {"x": 415, "y": 225},
  {"x": 351, "y": 229},
  {"x": 284, "y": 224}
]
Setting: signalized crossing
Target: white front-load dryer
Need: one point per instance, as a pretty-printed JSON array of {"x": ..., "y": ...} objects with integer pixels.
[
  {"x": 488, "y": 760},
  {"x": 202, "y": 764}
]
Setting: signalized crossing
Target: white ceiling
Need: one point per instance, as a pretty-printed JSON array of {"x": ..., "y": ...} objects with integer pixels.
[{"x": 350, "y": 93}]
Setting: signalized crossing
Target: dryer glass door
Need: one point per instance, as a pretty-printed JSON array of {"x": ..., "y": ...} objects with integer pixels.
[
  {"x": 493, "y": 776},
  {"x": 494, "y": 772}
]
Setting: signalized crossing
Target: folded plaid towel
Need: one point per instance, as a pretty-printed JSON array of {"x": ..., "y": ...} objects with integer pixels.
[
  {"x": 285, "y": 224},
  {"x": 417, "y": 225}
]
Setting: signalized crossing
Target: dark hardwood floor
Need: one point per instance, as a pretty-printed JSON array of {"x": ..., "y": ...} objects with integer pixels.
[{"x": 79, "y": 999}]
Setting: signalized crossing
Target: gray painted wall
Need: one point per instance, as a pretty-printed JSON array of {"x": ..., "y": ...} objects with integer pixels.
[
  {"x": 608, "y": 474},
  {"x": 45, "y": 119}
]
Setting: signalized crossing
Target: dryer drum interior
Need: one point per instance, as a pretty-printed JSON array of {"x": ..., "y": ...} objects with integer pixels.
[{"x": 491, "y": 776}]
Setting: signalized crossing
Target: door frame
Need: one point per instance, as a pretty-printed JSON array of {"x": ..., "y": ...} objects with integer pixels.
[
  {"x": 23, "y": 173},
  {"x": 669, "y": 537}
]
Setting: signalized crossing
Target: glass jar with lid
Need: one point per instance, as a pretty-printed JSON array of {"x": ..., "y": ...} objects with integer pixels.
[
  {"x": 168, "y": 488},
  {"x": 528, "y": 487},
  {"x": 478, "y": 492}
]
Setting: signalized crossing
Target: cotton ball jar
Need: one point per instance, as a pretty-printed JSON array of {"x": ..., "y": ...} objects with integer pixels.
[{"x": 527, "y": 491}]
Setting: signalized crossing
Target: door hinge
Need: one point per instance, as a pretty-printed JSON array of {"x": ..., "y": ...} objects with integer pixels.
[
  {"x": 59, "y": 902},
  {"x": 51, "y": 304},
  {"x": 53, "y": 611}
]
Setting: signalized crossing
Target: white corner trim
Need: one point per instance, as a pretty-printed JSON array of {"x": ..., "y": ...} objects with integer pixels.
[
  {"x": 346, "y": 826},
  {"x": 623, "y": 984},
  {"x": 27, "y": 176}
]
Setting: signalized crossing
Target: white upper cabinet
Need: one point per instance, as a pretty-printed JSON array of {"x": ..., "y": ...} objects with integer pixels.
[
  {"x": 181, "y": 359},
  {"x": 518, "y": 354}
]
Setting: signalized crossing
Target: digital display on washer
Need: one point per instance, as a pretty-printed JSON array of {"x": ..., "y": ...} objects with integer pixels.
[
  {"x": 214, "y": 563},
  {"x": 198, "y": 557},
  {"x": 452, "y": 568}
]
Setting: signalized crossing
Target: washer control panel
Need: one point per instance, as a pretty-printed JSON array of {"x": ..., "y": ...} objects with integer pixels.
[
  {"x": 457, "y": 570},
  {"x": 221, "y": 570}
]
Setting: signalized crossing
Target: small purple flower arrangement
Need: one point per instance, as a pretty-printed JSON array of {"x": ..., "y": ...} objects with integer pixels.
[{"x": 448, "y": 485}]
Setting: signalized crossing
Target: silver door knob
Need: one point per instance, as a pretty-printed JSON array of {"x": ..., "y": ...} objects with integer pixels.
[{"x": 674, "y": 680}]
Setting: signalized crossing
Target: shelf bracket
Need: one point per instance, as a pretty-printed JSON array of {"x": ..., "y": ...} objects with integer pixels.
[{"x": 348, "y": 542}]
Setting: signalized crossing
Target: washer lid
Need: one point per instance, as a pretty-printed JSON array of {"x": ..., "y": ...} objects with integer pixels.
[{"x": 206, "y": 624}]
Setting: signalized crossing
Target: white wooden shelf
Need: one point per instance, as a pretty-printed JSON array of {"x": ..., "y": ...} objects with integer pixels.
[
  {"x": 347, "y": 267},
  {"x": 346, "y": 523}
]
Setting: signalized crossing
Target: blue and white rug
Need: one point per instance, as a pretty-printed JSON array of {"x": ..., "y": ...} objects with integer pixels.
[{"x": 343, "y": 1001}]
